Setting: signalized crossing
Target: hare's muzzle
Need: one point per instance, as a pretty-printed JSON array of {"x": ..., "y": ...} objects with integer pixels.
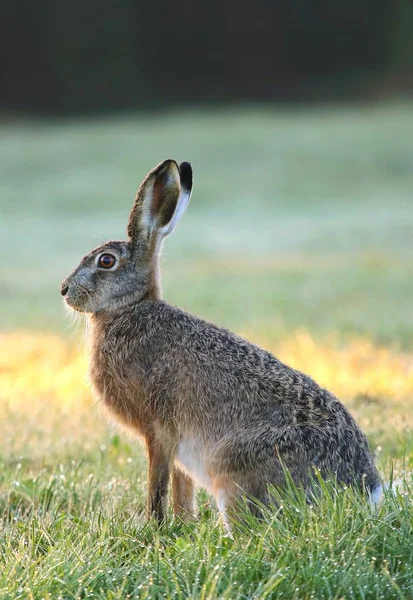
[{"x": 76, "y": 295}]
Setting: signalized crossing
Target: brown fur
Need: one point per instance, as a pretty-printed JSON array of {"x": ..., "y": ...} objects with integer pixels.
[{"x": 209, "y": 405}]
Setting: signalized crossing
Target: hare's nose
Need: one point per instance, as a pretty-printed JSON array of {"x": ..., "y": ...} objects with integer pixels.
[{"x": 64, "y": 289}]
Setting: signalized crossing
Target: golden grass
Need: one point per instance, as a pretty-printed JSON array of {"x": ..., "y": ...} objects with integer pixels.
[
  {"x": 34, "y": 366},
  {"x": 46, "y": 407},
  {"x": 45, "y": 397}
]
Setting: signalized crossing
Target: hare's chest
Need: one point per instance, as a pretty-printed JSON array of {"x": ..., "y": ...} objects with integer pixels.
[
  {"x": 191, "y": 457},
  {"x": 120, "y": 393}
]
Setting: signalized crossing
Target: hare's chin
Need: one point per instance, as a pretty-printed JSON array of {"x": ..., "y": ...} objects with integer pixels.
[{"x": 73, "y": 307}]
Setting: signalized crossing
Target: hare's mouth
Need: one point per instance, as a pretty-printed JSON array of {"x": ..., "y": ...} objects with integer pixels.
[{"x": 77, "y": 298}]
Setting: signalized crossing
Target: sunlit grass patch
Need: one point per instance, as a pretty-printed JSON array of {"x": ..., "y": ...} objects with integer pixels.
[
  {"x": 45, "y": 395},
  {"x": 45, "y": 400},
  {"x": 35, "y": 367}
]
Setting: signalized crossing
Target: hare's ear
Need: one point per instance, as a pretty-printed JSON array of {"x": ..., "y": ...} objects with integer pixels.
[{"x": 160, "y": 201}]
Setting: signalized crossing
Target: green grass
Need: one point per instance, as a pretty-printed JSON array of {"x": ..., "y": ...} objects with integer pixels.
[
  {"x": 76, "y": 531},
  {"x": 300, "y": 220}
]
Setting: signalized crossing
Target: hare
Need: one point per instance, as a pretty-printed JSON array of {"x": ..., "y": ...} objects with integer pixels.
[{"x": 212, "y": 408}]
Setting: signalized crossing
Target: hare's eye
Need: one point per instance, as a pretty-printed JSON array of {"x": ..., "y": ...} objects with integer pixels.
[{"x": 106, "y": 261}]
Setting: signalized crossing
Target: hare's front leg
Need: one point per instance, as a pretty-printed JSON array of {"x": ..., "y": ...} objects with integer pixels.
[
  {"x": 158, "y": 479},
  {"x": 183, "y": 495}
]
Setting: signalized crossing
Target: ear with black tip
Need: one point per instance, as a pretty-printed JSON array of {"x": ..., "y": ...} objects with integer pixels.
[
  {"x": 185, "y": 176},
  {"x": 160, "y": 201},
  {"x": 185, "y": 173}
]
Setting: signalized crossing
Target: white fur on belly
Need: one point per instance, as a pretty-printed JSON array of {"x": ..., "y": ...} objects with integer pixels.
[{"x": 190, "y": 458}]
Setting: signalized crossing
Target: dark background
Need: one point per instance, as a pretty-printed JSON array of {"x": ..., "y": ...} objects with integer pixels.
[{"x": 61, "y": 57}]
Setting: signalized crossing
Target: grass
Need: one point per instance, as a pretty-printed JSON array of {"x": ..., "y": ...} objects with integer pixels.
[
  {"x": 299, "y": 237},
  {"x": 73, "y": 492}
]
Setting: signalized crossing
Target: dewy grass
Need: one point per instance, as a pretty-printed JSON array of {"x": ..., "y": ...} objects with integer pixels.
[
  {"x": 334, "y": 548},
  {"x": 72, "y": 493}
]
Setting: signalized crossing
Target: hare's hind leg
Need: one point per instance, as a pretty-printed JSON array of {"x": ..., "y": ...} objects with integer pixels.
[
  {"x": 225, "y": 502},
  {"x": 230, "y": 489},
  {"x": 183, "y": 495}
]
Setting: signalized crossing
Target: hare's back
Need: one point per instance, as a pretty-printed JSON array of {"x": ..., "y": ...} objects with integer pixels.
[{"x": 219, "y": 359}]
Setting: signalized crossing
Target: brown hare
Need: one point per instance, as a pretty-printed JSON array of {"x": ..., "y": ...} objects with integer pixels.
[{"x": 211, "y": 408}]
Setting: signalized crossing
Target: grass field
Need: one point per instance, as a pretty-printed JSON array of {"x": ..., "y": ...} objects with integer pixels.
[{"x": 299, "y": 236}]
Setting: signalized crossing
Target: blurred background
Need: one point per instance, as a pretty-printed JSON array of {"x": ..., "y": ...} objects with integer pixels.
[
  {"x": 77, "y": 58},
  {"x": 297, "y": 118}
]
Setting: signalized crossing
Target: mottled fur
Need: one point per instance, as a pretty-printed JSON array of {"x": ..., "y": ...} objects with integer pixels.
[{"x": 211, "y": 407}]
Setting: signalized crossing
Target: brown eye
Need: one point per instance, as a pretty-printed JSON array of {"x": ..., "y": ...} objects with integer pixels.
[{"x": 106, "y": 261}]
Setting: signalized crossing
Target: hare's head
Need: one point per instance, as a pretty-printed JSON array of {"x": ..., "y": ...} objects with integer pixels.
[{"x": 123, "y": 272}]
